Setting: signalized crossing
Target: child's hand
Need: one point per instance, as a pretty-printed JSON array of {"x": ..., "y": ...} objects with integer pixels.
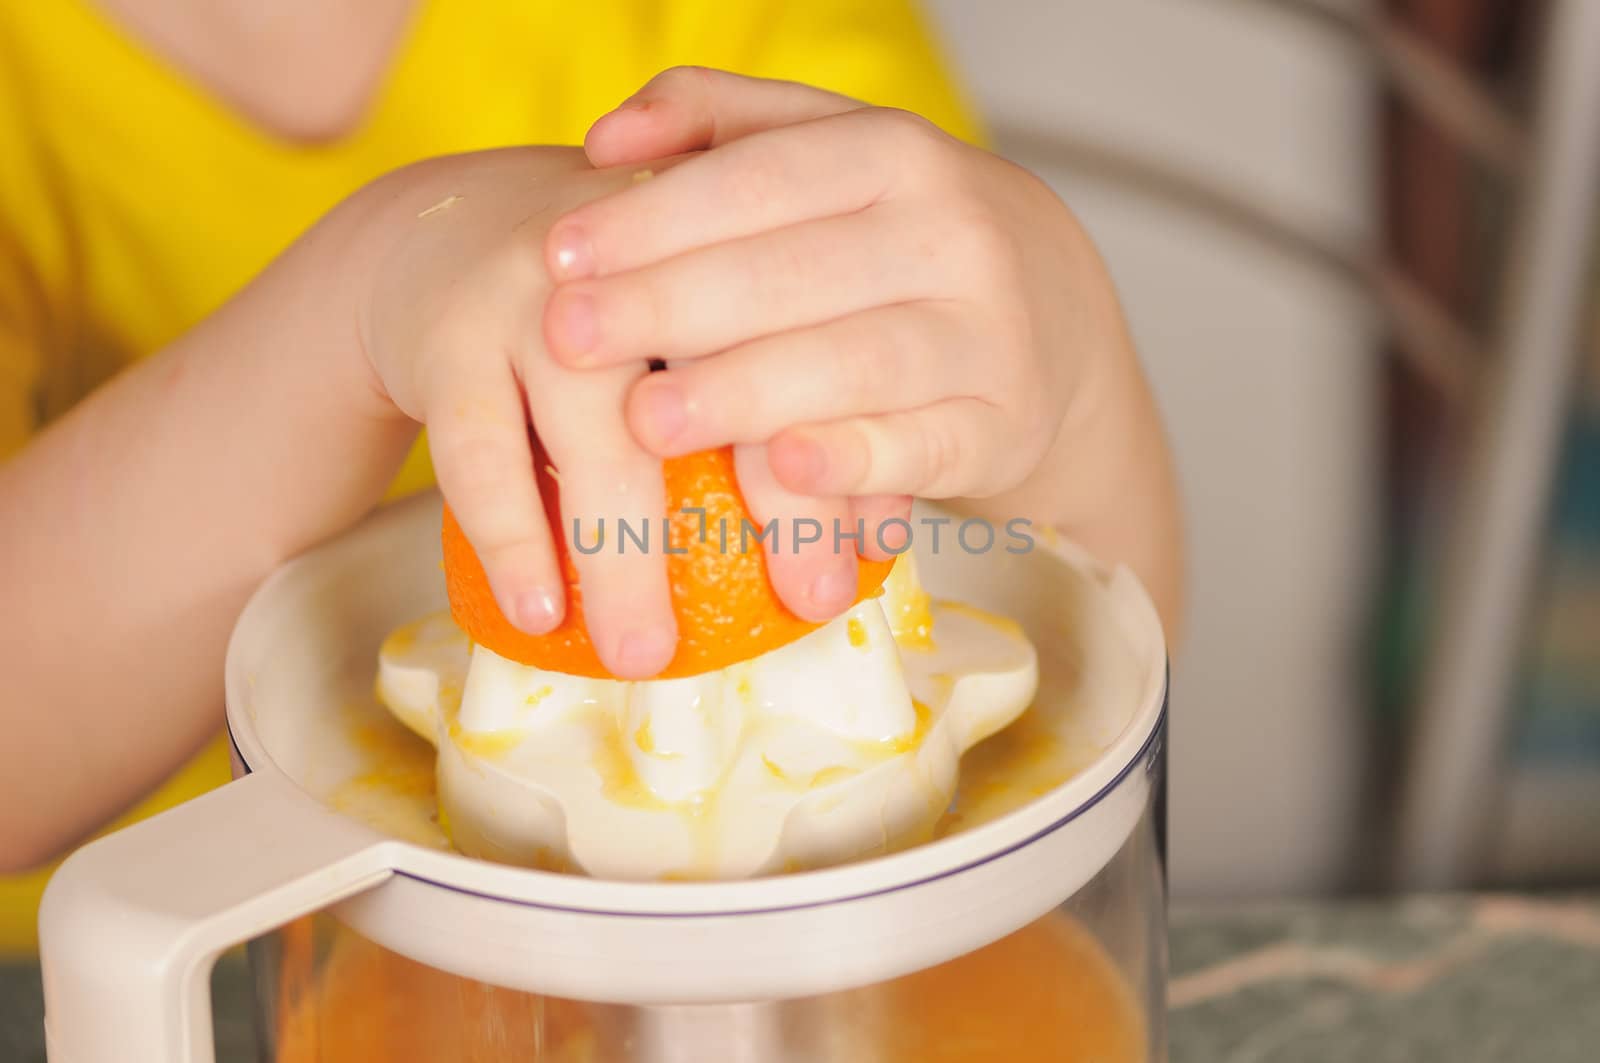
[
  {"x": 452, "y": 331},
  {"x": 897, "y": 312}
]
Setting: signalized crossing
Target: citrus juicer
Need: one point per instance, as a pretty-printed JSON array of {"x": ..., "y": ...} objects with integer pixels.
[{"x": 784, "y": 965}]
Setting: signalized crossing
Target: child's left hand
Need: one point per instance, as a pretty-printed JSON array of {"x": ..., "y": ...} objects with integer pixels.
[{"x": 892, "y": 311}]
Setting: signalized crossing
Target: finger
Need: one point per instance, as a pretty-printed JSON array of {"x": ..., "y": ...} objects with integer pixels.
[
  {"x": 885, "y": 523},
  {"x": 478, "y": 438},
  {"x": 951, "y": 448},
  {"x": 768, "y": 180},
  {"x": 887, "y": 358},
  {"x": 613, "y": 503},
  {"x": 806, "y": 565},
  {"x": 715, "y": 297},
  {"x": 689, "y": 108}
]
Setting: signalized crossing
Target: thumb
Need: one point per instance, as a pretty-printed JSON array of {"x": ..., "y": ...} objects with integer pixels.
[{"x": 692, "y": 108}]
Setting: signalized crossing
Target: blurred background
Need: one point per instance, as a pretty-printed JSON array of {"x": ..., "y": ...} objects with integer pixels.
[{"x": 1354, "y": 240}]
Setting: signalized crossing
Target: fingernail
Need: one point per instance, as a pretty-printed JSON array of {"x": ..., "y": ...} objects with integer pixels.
[
  {"x": 893, "y": 536},
  {"x": 537, "y": 611},
  {"x": 665, "y": 413},
  {"x": 574, "y": 257},
  {"x": 574, "y": 325},
  {"x": 644, "y": 652},
  {"x": 833, "y": 590}
]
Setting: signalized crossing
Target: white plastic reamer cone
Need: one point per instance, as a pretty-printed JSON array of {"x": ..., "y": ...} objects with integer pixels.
[{"x": 843, "y": 744}]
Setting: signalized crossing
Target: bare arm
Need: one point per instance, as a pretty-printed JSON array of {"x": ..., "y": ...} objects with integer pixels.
[{"x": 135, "y": 527}]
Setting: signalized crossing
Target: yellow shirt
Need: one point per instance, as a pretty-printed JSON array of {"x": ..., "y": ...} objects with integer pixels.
[{"x": 133, "y": 203}]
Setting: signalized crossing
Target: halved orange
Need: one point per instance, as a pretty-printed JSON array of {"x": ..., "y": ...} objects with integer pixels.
[{"x": 726, "y": 608}]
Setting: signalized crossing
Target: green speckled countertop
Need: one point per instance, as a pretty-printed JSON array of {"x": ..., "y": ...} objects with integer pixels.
[
  {"x": 1479, "y": 979},
  {"x": 1464, "y": 979}
]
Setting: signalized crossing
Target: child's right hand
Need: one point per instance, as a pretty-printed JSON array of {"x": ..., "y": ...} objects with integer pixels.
[{"x": 451, "y": 328}]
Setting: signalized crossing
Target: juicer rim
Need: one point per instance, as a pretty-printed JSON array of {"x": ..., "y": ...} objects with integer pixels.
[
  {"x": 1151, "y": 744},
  {"x": 1147, "y": 751}
]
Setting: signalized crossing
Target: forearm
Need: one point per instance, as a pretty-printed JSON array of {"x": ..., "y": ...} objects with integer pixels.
[{"x": 135, "y": 528}]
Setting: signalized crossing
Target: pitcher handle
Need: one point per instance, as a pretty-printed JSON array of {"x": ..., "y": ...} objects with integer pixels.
[{"x": 131, "y": 924}]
